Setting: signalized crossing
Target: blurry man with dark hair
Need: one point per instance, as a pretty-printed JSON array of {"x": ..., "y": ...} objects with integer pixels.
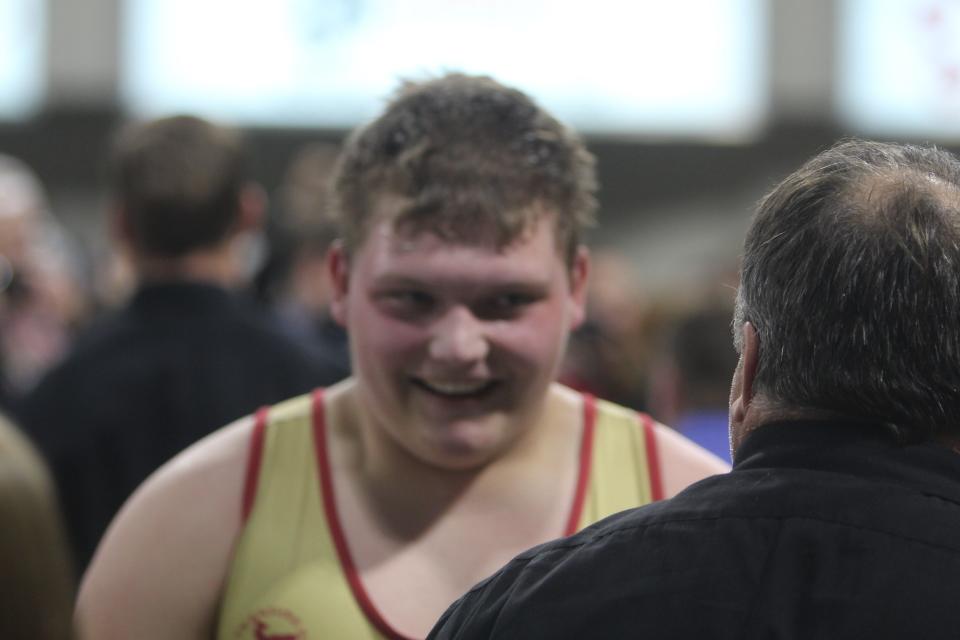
[
  {"x": 181, "y": 185},
  {"x": 840, "y": 517},
  {"x": 184, "y": 354}
]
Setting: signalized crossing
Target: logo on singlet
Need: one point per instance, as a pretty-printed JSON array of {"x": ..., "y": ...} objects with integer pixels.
[{"x": 272, "y": 624}]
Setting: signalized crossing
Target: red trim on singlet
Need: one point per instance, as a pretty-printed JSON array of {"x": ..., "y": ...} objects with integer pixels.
[
  {"x": 653, "y": 458},
  {"x": 336, "y": 531},
  {"x": 586, "y": 459},
  {"x": 254, "y": 456}
]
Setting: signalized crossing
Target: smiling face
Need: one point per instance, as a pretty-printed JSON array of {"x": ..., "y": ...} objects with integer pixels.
[{"x": 454, "y": 345}]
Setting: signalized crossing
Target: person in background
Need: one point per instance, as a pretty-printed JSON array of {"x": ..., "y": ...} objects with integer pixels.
[
  {"x": 364, "y": 510},
  {"x": 36, "y": 593},
  {"x": 840, "y": 517},
  {"x": 294, "y": 284},
  {"x": 184, "y": 354},
  {"x": 607, "y": 354},
  {"x": 691, "y": 375},
  {"x": 42, "y": 297}
]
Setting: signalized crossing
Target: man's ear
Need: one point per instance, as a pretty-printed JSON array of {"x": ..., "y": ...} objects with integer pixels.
[
  {"x": 338, "y": 272},
  {"x": 751, "y": 360},
  {"x": 579, "y": 276},
  {"x": 745, "y": 374}
]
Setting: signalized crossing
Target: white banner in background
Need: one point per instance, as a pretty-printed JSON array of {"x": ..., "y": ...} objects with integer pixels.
[
  {"x": 21, "y": 57},
  {"x": 688, "y": 68},
  {"x": 900, "y": 68}
]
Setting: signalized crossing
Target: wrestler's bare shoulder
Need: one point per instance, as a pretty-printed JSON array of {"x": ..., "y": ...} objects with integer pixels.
[{"x": 682, "y": 461}]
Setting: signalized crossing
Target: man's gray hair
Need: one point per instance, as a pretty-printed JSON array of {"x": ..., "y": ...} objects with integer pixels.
[{"x": 851, "y": 277}]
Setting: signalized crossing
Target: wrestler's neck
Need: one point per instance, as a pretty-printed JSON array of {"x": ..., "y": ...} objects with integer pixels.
[{"x": 386, "y": 467}]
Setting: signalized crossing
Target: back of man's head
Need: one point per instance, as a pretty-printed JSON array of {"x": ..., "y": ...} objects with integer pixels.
[
  {"x": 851, "y": 277},
  {"x": 466, "y": 154},
  {"x": 178, "y": 183}
]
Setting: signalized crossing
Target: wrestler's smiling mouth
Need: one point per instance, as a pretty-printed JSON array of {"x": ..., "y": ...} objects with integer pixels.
[{"x": 456, "y": 389}]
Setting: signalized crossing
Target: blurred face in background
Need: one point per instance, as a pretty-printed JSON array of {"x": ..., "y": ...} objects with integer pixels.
[{"x": 20, "y": 213}]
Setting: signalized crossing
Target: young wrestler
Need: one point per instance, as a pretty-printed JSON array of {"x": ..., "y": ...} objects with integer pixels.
[{"x": 365, "y": 509}]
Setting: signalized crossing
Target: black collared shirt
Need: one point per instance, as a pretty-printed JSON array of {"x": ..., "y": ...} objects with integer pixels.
[
  {"x": 180, "y": 360},
  {"x": 822, "y": 530}
]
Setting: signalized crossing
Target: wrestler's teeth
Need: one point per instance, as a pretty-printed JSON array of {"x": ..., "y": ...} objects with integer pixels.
[{"x": 454, "y": 388}]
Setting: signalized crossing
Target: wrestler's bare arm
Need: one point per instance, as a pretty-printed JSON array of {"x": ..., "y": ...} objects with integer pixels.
[
  {"x": 682, "y": 462},
  {"x": 160, "y": 569}
]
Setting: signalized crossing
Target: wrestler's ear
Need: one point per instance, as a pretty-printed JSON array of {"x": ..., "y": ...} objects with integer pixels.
[
  {"x": 338, "y": 270},
  {"x": 579, "y": 275}
]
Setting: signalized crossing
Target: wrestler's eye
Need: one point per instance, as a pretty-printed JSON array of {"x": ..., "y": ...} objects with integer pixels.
[
  {"x": 406, "y": 302},
  {"x": 506, "y": 305}
]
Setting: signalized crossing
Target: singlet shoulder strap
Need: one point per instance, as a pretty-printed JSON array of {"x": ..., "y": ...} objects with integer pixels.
[
  {"x": 653, "y": 457},
  {"x": 624, "y": 470},
  {"x": 585, "y": 464},
  {"x": 269, "y": 424},
  {"x": 254, "y": 458}
]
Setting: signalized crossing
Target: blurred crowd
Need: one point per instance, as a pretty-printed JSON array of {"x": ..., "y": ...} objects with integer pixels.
[{"x": 637, "y": 347}]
